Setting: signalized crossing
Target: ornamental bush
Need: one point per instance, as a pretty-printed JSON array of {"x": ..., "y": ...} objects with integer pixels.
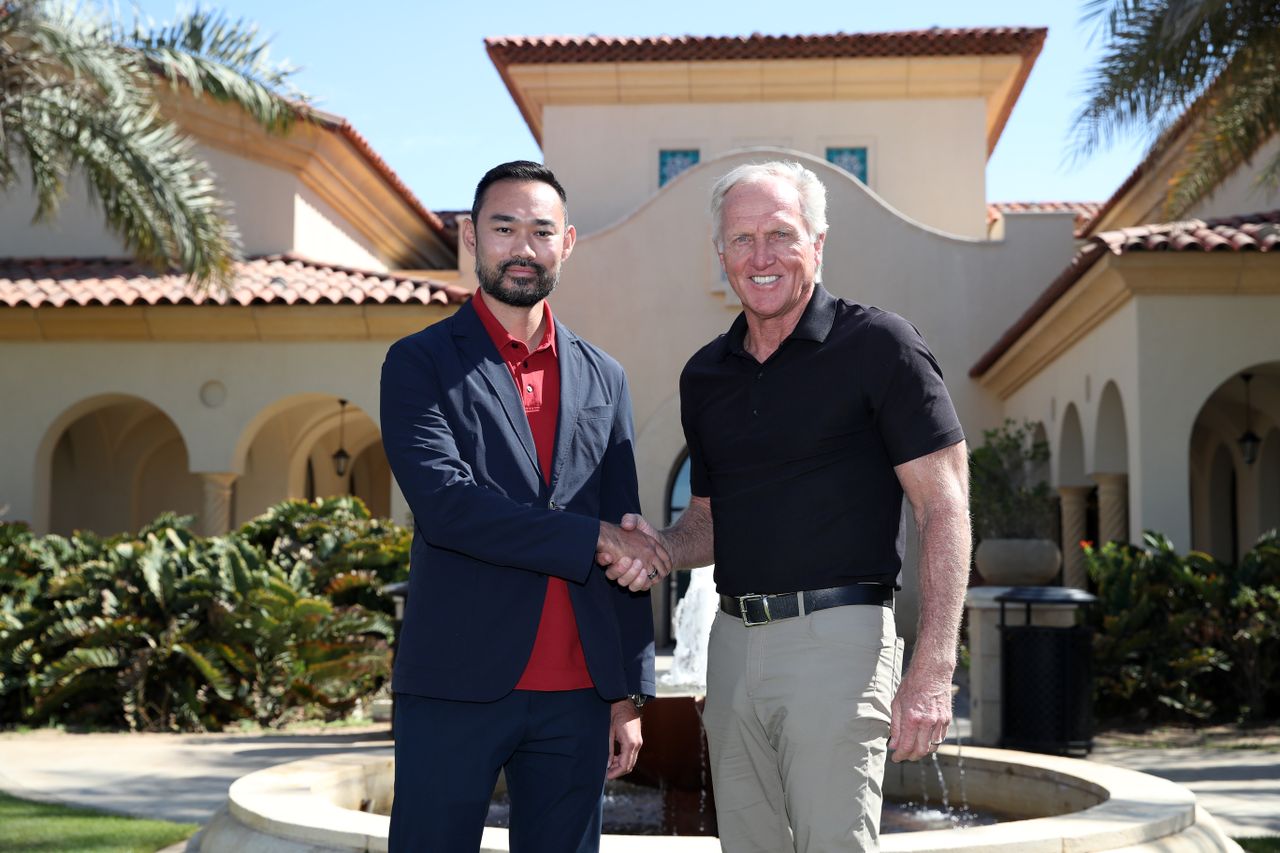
[
  {"x": 1185, "y": 637},
  {"x": 1008, "y": 497},
  {"x": 167, "y": 630}
]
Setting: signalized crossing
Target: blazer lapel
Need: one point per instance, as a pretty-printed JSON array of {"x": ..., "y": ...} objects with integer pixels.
[
  {"x": 478, "y": 349},
  {"x": 570, "y": 358}
]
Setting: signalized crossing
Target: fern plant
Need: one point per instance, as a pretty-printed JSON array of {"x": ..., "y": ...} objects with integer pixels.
[{"x": 167, "y": 630}]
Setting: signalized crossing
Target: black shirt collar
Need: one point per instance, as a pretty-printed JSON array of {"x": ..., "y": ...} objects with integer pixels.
[{"x": 815, "y": 323}]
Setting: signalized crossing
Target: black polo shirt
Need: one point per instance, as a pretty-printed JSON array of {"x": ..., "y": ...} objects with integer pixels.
[{"x": 797, "y": 454}]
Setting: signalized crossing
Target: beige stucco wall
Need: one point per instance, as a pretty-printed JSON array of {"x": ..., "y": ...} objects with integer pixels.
[
  {"x": 927, "y": 158},
  {"x": 1178, "y": 378},
  {"x": 1165, "y": 365},
  {"x": 272, "y": 208},
  {"x": 61, "y": 381},
  {"x": 1240, "y": 193},
  {"x": 321, "y": 233},
  {"x": 648, "y": 291},
  {"x": 261, "y": 199},
  {"x": 78, "y": 231},
  {"x": 1078, "y": 377}
]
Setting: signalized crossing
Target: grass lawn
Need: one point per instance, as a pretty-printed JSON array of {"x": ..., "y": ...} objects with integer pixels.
[
  {"x": 1269, "y": 844},
  {"x": 33, "y": 827}
]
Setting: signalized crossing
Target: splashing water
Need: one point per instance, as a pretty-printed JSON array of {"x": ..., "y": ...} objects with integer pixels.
[{"x": 693, "y": 617}]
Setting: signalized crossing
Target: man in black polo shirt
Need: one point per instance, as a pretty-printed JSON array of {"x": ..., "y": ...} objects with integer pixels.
[{"x": 807, "y": 424}]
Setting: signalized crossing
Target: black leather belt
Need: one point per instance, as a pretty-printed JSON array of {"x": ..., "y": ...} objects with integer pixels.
[{"x": 763, "y": 609}]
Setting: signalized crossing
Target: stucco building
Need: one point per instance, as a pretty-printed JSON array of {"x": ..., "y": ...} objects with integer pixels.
[{"x": 1124, "y": 338}]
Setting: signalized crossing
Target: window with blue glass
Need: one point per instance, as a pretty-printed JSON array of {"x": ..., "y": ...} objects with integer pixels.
[
  {"x": 673, "y": 161},
  {"x": 852, "y": 160}
]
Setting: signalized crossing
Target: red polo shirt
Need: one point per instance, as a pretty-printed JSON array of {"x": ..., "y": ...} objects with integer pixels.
[{"x": 557, "y": 661}]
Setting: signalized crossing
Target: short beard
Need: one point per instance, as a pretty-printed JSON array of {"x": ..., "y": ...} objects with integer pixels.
[{"x": 517, "y": 296}]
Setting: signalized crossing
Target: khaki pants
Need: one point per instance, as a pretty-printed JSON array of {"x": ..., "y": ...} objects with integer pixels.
[{"x": 797, "y": 718}]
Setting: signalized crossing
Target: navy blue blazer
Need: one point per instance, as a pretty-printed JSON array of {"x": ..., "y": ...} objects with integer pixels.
[{"x": 488, "y": 530}]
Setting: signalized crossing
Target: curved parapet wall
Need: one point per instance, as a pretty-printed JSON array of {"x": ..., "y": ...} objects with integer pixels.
[{"x": 322, "y": 805}]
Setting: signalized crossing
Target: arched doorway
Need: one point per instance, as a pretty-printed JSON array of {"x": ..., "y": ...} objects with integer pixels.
[
  {"x": 118, "y": 464},
  {"x": 1224, "y": 517},
  {"x": 1235, "y": 463},
  {"x": 1269, "y": 482},
  {"x": 1111, "y": 466},
  {"x": 292, "y": 452},
  {"x": 1070, "y": 457},
  {"x": 677, "y": 584}
]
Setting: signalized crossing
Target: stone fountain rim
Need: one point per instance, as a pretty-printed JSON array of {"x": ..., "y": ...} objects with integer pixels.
[{"x": 296, "y": 801}]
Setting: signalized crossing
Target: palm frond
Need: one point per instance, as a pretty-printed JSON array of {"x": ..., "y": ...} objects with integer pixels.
[
  {"x": 1206, "y": 67},
  {"x": 227, "y": 59},
  {"x": 73, "y": 44},
  {"x": 155, "y": 194},
  {"x": 1237, "y": 122},
  {"x": 214, "y": 674}
]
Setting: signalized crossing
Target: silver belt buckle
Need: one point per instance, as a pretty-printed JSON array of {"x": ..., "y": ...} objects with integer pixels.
[{"x": 764, "y": 602}]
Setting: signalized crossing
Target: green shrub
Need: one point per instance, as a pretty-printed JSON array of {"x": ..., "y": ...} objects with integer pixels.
[
  {"x": 1185, "y": 637},
  {"x": 1250, "y": 628},
  {"x": 168, "y": 630},
  {"x": 1007, "y": 497}
]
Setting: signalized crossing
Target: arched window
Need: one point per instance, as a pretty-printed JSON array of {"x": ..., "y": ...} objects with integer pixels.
[
  {"x": 677, "y": 584},
  {"x": 678, "y": 491}
]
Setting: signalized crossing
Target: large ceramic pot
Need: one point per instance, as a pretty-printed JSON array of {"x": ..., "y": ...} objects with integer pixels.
[{"x": 1018, "y": 562}]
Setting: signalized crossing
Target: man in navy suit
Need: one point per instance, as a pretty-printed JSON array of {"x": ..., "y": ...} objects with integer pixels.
[{"x": 511, "y": 438}]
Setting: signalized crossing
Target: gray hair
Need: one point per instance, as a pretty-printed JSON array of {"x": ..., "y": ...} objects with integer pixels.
[{"x": 813, "y": 195}]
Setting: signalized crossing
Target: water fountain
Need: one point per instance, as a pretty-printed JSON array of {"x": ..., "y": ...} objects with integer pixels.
[{"x": 340, "y": 803}]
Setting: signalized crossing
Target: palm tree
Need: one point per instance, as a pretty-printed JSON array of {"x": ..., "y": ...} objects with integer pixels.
[
  {"x": 78, "y": 92},
  {"x": 1209, "y": 67}
]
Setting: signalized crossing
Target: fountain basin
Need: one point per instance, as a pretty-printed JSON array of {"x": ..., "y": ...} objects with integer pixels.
[{"x": 320, "y": 805}]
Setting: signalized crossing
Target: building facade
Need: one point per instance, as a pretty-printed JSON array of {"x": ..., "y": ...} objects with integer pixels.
[{"x": 1123, "y": 338}]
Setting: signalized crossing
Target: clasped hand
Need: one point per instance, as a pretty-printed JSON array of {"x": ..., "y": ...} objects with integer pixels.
[{"x": 633, "y": 553}]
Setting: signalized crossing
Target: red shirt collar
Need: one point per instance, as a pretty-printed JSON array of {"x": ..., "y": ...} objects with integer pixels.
[{"x": 502, "y": 339}]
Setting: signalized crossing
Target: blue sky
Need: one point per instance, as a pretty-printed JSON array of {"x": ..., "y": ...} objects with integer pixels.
[{"x": 414, "y": 78}]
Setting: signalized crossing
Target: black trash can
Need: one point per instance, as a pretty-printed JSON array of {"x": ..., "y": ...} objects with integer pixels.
[{"x": 1046, "y": 675}]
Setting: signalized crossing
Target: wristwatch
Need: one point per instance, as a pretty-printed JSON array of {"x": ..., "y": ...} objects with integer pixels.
[{"x": 638, "y": 699}]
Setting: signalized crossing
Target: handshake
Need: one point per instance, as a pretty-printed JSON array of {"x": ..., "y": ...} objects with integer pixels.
[{"x": 634, "y": 554}]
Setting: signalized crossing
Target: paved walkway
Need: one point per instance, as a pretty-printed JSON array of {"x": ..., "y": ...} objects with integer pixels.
[
  {"x": 1235, "y": 777},
  {"x": 175, "y": 777},
  {"x": 185, "y": 777}
]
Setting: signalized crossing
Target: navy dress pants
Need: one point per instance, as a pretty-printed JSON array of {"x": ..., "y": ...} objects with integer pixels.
[{"x": 554, "y": 747}]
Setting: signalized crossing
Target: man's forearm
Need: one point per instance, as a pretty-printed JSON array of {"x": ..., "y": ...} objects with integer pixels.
[
  {"x": 691, "y": 539},
  {"x": 944, "y": 574}
]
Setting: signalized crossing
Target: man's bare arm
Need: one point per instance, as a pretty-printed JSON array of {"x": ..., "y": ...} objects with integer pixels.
[
  {"x": 938, "y": 487},
  {"x": 691, "y": 540}
]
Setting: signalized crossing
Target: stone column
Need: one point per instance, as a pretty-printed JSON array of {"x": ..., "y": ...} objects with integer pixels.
[
  {"x": 1113, "y": 507},
  {"x": 1074, "y": 502},
  {"x": 216, "y": 517}
]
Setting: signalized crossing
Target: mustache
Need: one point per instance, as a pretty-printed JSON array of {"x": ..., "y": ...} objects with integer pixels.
[{"x": 512, "y": 262}]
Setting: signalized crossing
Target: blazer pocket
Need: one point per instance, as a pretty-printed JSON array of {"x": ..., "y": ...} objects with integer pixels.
[{"x": 591, "y": 435}]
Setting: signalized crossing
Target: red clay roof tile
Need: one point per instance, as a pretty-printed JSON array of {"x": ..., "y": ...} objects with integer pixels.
[
  {"x": 986, "y": 41},
  {"x": 1084, "y": 210},
  {"x": 269, "y": 280}
]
